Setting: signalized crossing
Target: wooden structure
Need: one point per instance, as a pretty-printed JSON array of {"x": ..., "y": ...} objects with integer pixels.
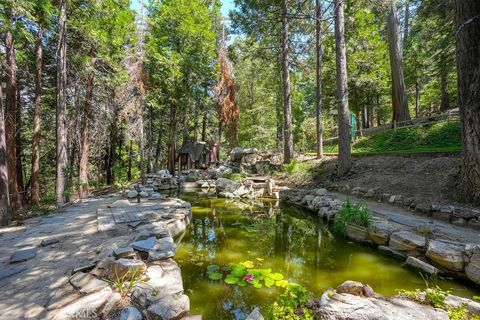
[{"x": 193, "y": 155}]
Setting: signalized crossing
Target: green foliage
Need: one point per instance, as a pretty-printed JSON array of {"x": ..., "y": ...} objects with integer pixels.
[
  {"x": 433, "y": 296},
  {"x": 461, "y": 313},
  {"x": 236, "y": 176},
  {"x": 425, "y": 230},
  {"x": 351, "y": 214},
  {"x": 246, "y": 273},
  {"x": 291, "y": 304},
  {"x": 125, "y": 284}
]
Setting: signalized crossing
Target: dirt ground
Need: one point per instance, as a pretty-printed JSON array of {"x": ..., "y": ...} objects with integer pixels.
[{"x": 422, "y": 177}]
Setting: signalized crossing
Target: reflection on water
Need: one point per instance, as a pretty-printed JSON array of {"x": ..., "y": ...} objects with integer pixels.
[{"x": 291, "y": 241}]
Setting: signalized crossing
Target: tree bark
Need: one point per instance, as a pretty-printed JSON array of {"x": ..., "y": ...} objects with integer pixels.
[
  {"x": 11, "y": 115},
  {"x": 287, "y": 99},
  {"x": 19, "y": 150},
  {"x": 61, "y": 131},
  {"x": 467, "y": 21},
  {"x": 35, "y": 176},
  {"x": 87, "y": 117},
  {"x": 344, "y": 156},
  {"x": 399, "y": 96},
  {"x": 5, "y": 213},
  {"x": 417, "y": 100},
  {"x": 130, "y": 156},
  {"x": 158, "y": 149},
  {"x": 444, "y": 102},
  {"x": 406, "y": 25},
  {"x": 318, "y": 92},
  {"x": 173, "y": 138}
]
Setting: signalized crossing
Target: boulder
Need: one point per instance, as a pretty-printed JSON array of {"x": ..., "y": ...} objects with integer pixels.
[
  {"x": 120, "y": 204},
  {"x": 351, "y": 287},
  {"x": 144, "y": 194},
  {"x": 466, "y": 213},
  {"x": 126, "y": 252},
  {"x": 446, "y": 254},
  {"x": 380, "y": 231},
  {"x": 421, "y": 265},
  {"x": 130, "y": 313},
  {"x": 172, "y": 307},
  {"x": 293, "y": 195},
  {"x": 23, "y": 255},
  {"x": 425, "y": 208},
  {"x": 255, "y": 315},
  {"x": 163, "y": 249},
  {"x": 406, "y": 241},
  {"x": 86, "y": 307},
  {"x": 122, "y": 268},
  {"x": 357, "y": 233},
  {"x": 473, "y": 268},
  {"x": 86, "y": 283},
  {"x": 48, "y": 242},
  {"x": 132, "y": 194},
  {"x": 455, "y": 301},
  {"x": 144, "y": 245},
  {"x": 223, "y": 184}
]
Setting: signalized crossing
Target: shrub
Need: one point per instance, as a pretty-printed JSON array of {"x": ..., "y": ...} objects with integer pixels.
[
  {"x": 351, "y": 213},
  {"x": 291, "y": 304},
  {"x": 236, "y": 176}
]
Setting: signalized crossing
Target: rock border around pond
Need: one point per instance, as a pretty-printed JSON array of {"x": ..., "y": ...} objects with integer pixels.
[{"x": 430, "y": 255}]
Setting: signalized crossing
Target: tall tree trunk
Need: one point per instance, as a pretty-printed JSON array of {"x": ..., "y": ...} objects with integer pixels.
[
  {"x": 204, "y": 124},
  {"x": 406, "y": 24},
  {"x": 287, "y": 99},
  {"x": 150, "y": 139},
  {"x": 141, "y": 143},
  {"x": 279, "y": 118},
  {"x": 35, "y": 177},
  {"x": 444, "y": 102},
  {"x": 61, "y": 156},
  {"x": 417, "y": 99},
  {"x": 399, "y": 96},
  {"x": 87, "y": 117},
  {"x": 11, "y": 116},
  {"x": 158, "y": 149},
  {"x": 467, "y": 21},
  {"x": 173, "y": 138},
  {"x": 318, "y": 91},
  {"x": 19, "y": 150},
  {"x": 344, "y": 156},
  {"x": 5, "y": 213},
  {"x": 195, "y": 123},
  {"x": 130, "y": 156}
]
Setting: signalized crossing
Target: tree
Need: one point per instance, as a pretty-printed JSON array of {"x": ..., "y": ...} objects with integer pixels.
[
  {"x": 399, "y": 96},
  {"x": 287, "y": 102},
  {"x": 61, "y": 139},
  {"x": 467, "y": 25},
  {"x": 5, "y": 213},
  {"x": 318, "y": 91},
  {"x": 344, "y": 157},
  {"x": 11, "y": 112}
]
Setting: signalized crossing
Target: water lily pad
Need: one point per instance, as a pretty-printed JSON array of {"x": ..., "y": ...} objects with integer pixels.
[
  {"x": 238, "y": 273},
  {"x": 269, "y": 282},
  {"x": 248, "y": 264},
  {"x": 231, "y": 280},
  {"x": 214, "y": 275},
  {"x": 212, "y": 267},
  {"x": 281, "y": 283},
  {"x": 275, "y": 276},
  {"x": 257, "y": 285},
  {"x": 260, "y": 259}
]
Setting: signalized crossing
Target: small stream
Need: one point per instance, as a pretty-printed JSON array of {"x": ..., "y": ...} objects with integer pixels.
[{"x": 291, "y": 241}]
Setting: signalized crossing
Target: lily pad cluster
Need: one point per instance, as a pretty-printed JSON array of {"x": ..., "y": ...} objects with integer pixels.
[{"x": 245, "y": 273}]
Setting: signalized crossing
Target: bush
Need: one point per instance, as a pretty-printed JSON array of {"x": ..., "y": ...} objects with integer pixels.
[
  {"x": 351, "y": 213},
  {"x": 291, "y": 304},
  {"x": 236, "y": 176}
]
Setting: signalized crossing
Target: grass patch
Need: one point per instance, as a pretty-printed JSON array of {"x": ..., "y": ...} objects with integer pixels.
[{"x": 351, "y": 213}]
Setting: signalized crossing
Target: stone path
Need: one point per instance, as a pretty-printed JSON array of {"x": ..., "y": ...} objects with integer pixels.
[{"x": 52, "y": 246}]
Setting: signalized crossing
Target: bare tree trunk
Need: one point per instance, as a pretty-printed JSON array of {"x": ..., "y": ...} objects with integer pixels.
[
  {"x": 142, "y": 142},
  {"x": 344, "y": 156},
  {"x": 278, "y": 107},
  {"x": 467, "y": 22},
  {"x": 19, "y": 150},
  {"x": 399, "y": 96},
  {"x": 318, "y": 92},
  {"x": 406, "y": 25},
  {"x": 5, "y": 213},
  {"x": 35, "y": 179},
  {"x": 173, "y": 138},
  {"x": 61, "y": 180},
  {"x": 84, "y": 149},
  {"x": 150, "y": 139},
  {"x": 287, "y": 99},
  {"x": 444, "y": 102},
  {"x": 158, "y": 148},
  {"x": 11, "y": 116},
  {"x": 130, "y": 156}
]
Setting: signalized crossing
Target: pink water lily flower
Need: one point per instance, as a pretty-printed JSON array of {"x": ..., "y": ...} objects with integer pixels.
[{"x": 248, "y": 277}]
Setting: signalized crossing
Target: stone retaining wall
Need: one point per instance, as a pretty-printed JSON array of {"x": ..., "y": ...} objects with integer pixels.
[{"x": 433, "y": 256}]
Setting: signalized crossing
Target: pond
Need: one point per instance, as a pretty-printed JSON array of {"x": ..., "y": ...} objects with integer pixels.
[{"x": 287, "y": 239}]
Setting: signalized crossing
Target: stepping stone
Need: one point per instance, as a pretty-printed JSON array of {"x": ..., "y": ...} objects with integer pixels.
[
  {"x": 163, "y": 249},
  {"x": 144, "y": 245},
  {"x": 47, "y": 242},
  {"x": 87, "y": 283},
  {"x": 87, "y": 267},
  {"x": 126, "y": 252},
  {"x": 130, "y": 313},
  {"x": 134, "y": 224},
  {"x": 10, "y": 272},
  {"x": 23, "y": 255},
  {"x": 53, "y": 220}
]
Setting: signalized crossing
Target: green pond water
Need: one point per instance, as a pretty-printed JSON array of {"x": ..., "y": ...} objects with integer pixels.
[{"x": 291, "y": 241}]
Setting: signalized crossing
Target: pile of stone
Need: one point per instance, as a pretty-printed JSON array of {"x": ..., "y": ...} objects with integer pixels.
[
  {"x": 141, "y": 275},
  {"x": 433, "y": 256},
  {"x": 457, "y": 215},
  {"x": 250, "y": 188},
  {"x": 354, "y": 300}
]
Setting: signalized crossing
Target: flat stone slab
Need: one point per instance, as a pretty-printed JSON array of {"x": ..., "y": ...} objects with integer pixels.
[
  {"x": 406, "y": 241},
  {"x": 87, "y": 283},
  {"x": 144, "y": 245},
  {"x": 86, "y": 306},
  {"x": 447, "y": 254},
  {"x": 419, "y": 264},
  {"x": 48, "y": 242},
  {"x": 173, "y": 306},
  {"x": 130, "y": 313},
  {"x": 11, "y": 271},
  {"x": 164, "y": 248},
  {"x": 23, "y": 255},
  {"x": 126, "y": 252}
]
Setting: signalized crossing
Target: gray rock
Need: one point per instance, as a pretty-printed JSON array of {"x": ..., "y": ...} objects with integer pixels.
[
  {"x": 446, "y": 254},
  {"x": 474, "y": 223},
  {"x": 144, "y": 245},
  {"x": 172, "y": 307},
  {"x": 47, "y": 242},
  {"x": 130, "y": 313},
  {"x": 425, "y": 208},
  {"x": 459, "y": 221},
  {"x": 123, "y": 203},
  {"x": 132, "y": 194},
  {"x": 466, "y": 213},
  {"x": 351, "y": 287},
  {"x": 406, "y": 241},
  {"x": 86, "y": 283},
  {"x": 126, "y": 252},
  {"x": 86, "y": 307},
  {"x": 419, "y": 264},
  {"x": 23, "y": 255},
  {"x": 455, "y": 301},
  {"x": 380, "y": 232},
  {"x": 144, "y": 194},
  {"x": 164, "y": 248},
  {"x": 5, "y": 273},
  {"x": 357, "y": 233},
  {"x": 125, "y": 269},
  {"x": 255, "y": 315},
  {"x": 393, "y": 253},
  {"x": 473, "y": 268}
]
